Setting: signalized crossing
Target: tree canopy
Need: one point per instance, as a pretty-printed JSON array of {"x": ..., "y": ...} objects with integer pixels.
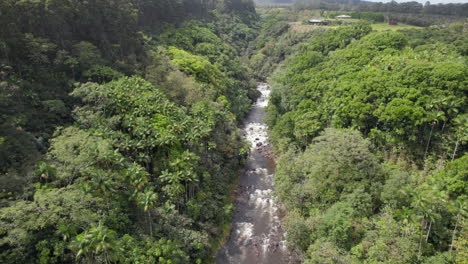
[
  {"x": 118, "y": 135},
  {"x": 370, "y": 133}
]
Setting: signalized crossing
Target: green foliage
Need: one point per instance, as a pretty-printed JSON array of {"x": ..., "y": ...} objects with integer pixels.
[
  {"x": 161, "y": 251},
  {"x": 375, "y": 85},
  {"x": 136, "y": 150},
  {"x": 336, "y": 164},
  {"x": 453, "y": 178},
  {"x": 100, "y": 74},
  {"x": 364, "y": 125},
  {"x": 371, "y": 16},
  {"x": 387, "y": 242},
  {"x": 298, "y": 230},
  {"x": 337, "y": 225},
  {"x": 95, "y": 242},
  {"x": 327, "y": 252},
  {"x": 201, "y": 69},
  {"x": 86, "y": 55},
  {"x": 133, "y": 111},
  {"x": 53, "y": 218},
  {"x": 276, "y": 42},
  {"x": 204, "y": 53},
  {"x": 141, "y": 175},
  {"x": 176, "y": 85}
]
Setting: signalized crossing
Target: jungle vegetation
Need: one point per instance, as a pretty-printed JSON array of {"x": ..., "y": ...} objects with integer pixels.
[
  {"x": 120, "y": 139},
  {"x": 119, "y": 130},
  {"x": 370, "y": 130}
]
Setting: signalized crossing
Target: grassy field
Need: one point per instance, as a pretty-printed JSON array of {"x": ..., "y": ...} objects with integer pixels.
[{"x": 386, "y": 27}]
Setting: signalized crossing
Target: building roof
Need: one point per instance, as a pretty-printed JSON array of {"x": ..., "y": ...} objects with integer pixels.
[
  {"x": 315, "y": 21},
  {"x": 343, "y": 16}
]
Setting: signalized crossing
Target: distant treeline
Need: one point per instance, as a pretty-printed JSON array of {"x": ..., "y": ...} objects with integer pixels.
[
  {"x": 416, "y": 8},
  {"x": 392, "y": 7}
]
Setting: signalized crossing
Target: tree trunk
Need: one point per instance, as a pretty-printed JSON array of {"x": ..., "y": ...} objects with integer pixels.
[
  {"x": 428, "y": 230},
  {"x": 421, "y": 133},
  {"x": 455, "y": 150},
  {"x": 420, "y": 239},
  {"x": 454, "y": 232},
  {"x": 150, "y": 223},
  {"x": 429, "y": 141}
]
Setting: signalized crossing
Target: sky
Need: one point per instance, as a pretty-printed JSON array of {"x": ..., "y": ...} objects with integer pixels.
[
  {"x": 420, "y": 1},
  {"x": 424, "y": 1},
  {"x": 401, "y": 1}
]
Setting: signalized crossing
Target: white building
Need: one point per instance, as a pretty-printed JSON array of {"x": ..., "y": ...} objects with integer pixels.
[{"x": 343, "y": 17}]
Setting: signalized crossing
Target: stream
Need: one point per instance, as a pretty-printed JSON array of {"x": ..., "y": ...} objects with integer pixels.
[{"x": 257, "y": 236}]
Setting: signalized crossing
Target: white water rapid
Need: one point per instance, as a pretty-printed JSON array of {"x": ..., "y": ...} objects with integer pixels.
[{"x": 257, "y": 236}]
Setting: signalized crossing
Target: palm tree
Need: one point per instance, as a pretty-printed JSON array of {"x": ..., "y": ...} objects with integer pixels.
[
  {"x": 437, "y": 196},
  {"x": 44, "y": 171},
  {"x": 406, "y": 215},
  {"x": 137, "y": 176},
  {"x": 458, "y": 207},
  {"x": 173, "y": 186},
  {"x": 461, "y": 132},
  {"x": 424, "y": 208},
  {"x": 434, "y": 118},
  {"x": 170, "y": 178},
  {"x": 102, "y": 183},
  {"x": 184, "y": 165},
  {"x": 451, "y": 109},
  {"x": 147, "y": 200},
  {"x": 98, "y": 240}
]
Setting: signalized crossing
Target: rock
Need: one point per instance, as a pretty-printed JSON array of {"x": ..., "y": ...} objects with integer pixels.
[
  {"x": 259, "y": 144},
  {"x": 257, "y": 139}
]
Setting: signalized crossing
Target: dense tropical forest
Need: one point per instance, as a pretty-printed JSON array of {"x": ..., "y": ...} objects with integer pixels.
[
  {"x": 120, "y": 138},
  {"x": 370, "y": 130},
  {"x": 119, "y": 128}
]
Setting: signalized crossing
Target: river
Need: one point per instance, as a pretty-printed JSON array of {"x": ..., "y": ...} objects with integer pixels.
[{"x": 257, "y": 236}]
